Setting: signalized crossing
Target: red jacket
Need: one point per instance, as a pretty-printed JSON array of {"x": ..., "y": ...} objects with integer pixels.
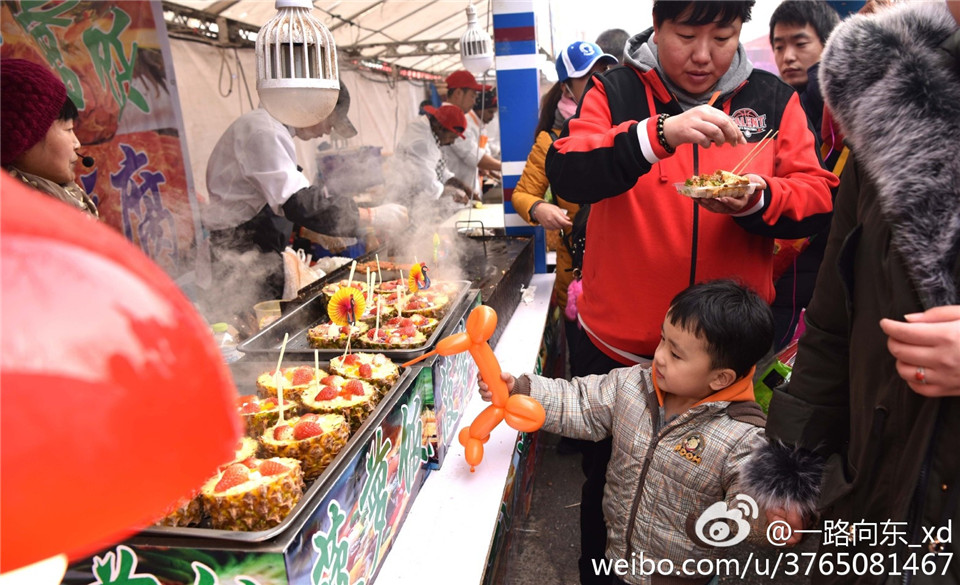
[{"x": 646, "y": 242}]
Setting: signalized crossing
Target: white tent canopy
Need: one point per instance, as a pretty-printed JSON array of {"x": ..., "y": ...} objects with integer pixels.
[{"x": 416, "y": 34}]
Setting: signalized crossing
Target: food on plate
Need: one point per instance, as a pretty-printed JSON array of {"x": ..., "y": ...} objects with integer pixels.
[
  {"x": 718, "y": 184},
  {"x": 331, "y": 335},
  {"x": 393, "y": 338},
  {"x": 352, "y": 399},
  {"x": 313, "y": 439},
  {"x": 253, "y": 495},
  {"x": 259, "y": 413},
  {"x": 375, "y": 368}
]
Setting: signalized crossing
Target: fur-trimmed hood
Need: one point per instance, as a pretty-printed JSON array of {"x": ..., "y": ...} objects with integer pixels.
[{"x": 892, "y": 81}]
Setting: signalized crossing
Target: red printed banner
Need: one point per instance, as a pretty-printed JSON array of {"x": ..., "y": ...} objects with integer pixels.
[{"x": 114, "y": 59}]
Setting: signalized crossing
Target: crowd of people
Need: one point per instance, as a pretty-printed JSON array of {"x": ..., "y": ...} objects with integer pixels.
[
  {"x": 850, "y": 227},
  {"x": 852, "y": 223}
]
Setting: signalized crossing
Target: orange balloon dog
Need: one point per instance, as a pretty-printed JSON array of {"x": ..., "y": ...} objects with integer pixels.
[{"x": 521, "y": 412}]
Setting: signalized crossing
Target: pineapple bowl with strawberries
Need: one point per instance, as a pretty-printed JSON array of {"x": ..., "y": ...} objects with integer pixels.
[
  {"x": 373, "y": 368},
  {"x": 256, "y": 494},
  {"x": 260, "y": 413},
  {"x": 293, "y": 381},
  {"x": 313, "y": 439},
  {"x": 352, "y": 399}
]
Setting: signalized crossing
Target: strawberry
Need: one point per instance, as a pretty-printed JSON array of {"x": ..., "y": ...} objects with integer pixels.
[
  {"x": 309, "y": 416},
  {"x": 354, "y": 387},
  {"x": 366, "y": 370},
  {"x": 328, "y": 393},
  {"x": 351, "y": 359},
  {"x": 242, "y": 400},
  {"x": 250, "y": 408},
  {"x": 405, "y": 322},
  {"x": 251, "y": 462},
  {"x": 408, "y": 331},
  {"x": 270, "y": 467},
  {"x": 345, "y": 330},
  {"x": 302, "y": 376},
  {"x": 283, "y": 433},
  {"x": 306, "y": 429},
  {"x": 268, "y": 403},
  {"x": 330, "y": 381},
  {"x": 232, "y": 476}
]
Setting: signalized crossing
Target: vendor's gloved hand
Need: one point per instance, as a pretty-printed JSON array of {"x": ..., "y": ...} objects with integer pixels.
[
  {"x": 458, "y": 195},
  {"x": 389, "y": 216}
]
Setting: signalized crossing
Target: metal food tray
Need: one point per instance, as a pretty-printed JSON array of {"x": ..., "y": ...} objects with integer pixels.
[
  {"x": 245, "y": 374},
  {"x": 311, "y": 313}
]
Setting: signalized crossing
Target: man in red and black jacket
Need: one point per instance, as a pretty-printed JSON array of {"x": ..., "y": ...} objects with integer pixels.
[{"x": 646, "y": 126}]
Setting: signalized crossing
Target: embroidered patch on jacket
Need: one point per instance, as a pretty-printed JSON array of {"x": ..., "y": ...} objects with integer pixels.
[
  {"x": 749, "y": 121},
  {"x": 690, "y": 447}
]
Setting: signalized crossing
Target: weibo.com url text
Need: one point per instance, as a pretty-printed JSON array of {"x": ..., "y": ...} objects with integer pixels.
[{"x": 784, "y": 564}]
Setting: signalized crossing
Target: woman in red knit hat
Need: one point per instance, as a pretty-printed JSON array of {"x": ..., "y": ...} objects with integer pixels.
[{"x": 36, "y": 131}]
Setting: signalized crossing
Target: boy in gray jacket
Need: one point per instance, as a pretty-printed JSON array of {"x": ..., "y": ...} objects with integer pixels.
[{"x": 682, "y": 429}]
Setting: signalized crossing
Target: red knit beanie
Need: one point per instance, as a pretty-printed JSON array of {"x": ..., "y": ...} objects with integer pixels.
[{"x": 31, "y": 98}]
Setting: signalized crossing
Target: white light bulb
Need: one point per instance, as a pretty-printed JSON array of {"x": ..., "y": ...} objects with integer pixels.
[
  {"x": 298, "y": 79},
  {"x": 476, "y": 46}
]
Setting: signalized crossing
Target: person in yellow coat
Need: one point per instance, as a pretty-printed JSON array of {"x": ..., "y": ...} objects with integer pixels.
[{"x": 575, "y": 65}]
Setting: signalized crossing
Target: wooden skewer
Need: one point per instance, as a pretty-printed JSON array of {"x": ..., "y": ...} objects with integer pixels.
[
  {"x": 278, "y": 377},
  {"x": 754, "y": 152}
]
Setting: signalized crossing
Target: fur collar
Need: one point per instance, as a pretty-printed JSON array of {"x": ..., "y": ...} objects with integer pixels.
[{"x": 894, "y": 87}]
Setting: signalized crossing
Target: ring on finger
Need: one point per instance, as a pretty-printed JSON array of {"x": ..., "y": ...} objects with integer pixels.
[{"x": 921, "y": 375}]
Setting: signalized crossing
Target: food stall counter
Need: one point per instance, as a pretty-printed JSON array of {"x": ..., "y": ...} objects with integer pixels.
[{"x": 451, "y": 528}]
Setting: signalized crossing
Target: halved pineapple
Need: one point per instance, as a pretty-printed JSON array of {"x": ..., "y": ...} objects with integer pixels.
[
  {"x": 185, "y": 512},
  {"x": 260, "y": 413},
  {"x": 370, "y": 313},
  {"x": 294, "y": 380},
  {"x": 426, "y": 303},
  {"x": 246, "y": 449},
  {"x": 254, "y": 496},
  {"x": 331, "y": 335},
  {"x": 397, "y": 338},
  {"x": 374, "y": 368},
  {"x": 314, "y": 439},
  {"x": 353, "y": 399},
  {"x": 426, "y": 325}
]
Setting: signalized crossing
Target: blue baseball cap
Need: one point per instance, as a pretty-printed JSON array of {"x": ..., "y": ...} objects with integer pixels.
[{"x": 579, "y": 58}]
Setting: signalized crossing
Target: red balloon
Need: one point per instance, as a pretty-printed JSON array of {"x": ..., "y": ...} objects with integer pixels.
[{"x": 116, "y": 400}]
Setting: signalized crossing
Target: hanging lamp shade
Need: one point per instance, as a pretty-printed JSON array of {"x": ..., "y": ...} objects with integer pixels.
[
  {"x": 115, "y": 399},
  {"x": 298, "y": 79},
  {"x": 476, "y": 46}
]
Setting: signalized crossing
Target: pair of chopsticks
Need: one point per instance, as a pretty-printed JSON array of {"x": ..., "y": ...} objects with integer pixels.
[{"x": 768, "y": 137}]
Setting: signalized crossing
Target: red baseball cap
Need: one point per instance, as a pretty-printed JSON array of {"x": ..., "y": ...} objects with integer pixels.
[
  {"x": 450, "y": 117},
  {"x": 464, "y": 79}
]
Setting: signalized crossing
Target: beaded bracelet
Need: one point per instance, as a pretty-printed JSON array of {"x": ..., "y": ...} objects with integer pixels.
[{"x": 660, "y": 136}]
